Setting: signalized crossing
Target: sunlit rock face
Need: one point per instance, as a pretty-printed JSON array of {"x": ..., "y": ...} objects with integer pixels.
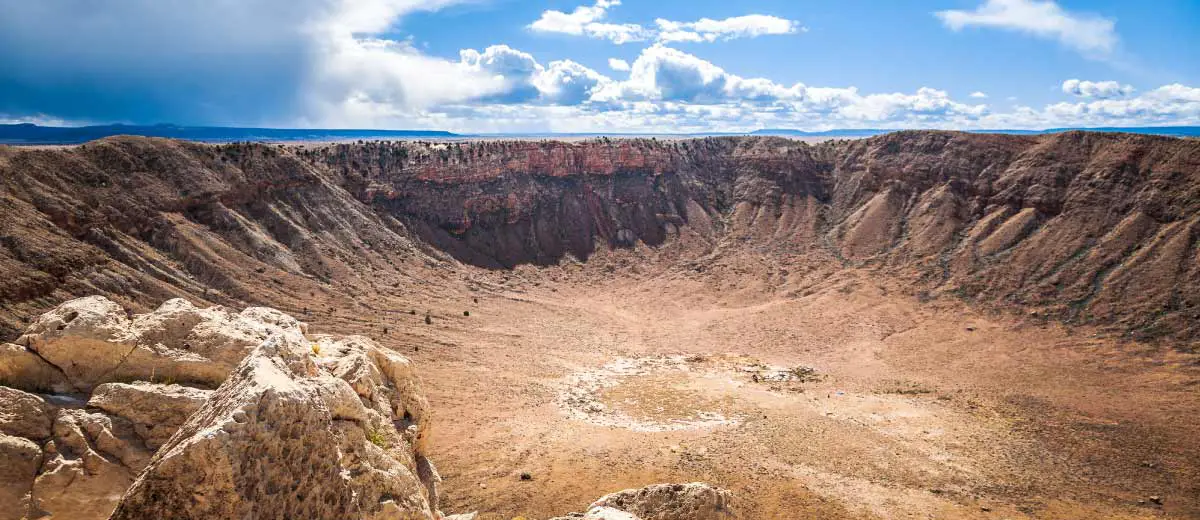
[{"x": 298, "y": 426}]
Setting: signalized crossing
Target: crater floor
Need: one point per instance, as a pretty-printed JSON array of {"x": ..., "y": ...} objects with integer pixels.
[{"x": 592, "y": 379}]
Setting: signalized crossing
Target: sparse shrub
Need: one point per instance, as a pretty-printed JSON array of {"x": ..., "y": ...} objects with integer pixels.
[
  {"x": 316, "y": 349},
  {"x": 428, "y": 320},
  {"x": 466, "y": 313},
  {"x": 377, "y": 438},
  {"x": 804, "y": 374}
]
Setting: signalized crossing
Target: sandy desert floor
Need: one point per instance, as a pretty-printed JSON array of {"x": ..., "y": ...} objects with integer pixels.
[{"x": 592, "y": 378}]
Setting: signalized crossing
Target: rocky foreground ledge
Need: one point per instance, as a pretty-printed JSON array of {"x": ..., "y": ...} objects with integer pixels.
[{"x": 211, "y": 414}]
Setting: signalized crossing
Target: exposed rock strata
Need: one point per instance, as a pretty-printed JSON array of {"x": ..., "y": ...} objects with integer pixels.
[
  {"x": 72, "y": 455},
  {"x": 20, "y": 459},
  {"x": 298, "y": 432},
  {"x": 156, "y": 411},
  {"x": 1086, "y": 227},
  {"x": 93, "y": 340}
]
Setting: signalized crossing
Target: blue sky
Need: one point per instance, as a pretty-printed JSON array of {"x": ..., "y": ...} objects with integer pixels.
[{"x": 602, "y": 65}]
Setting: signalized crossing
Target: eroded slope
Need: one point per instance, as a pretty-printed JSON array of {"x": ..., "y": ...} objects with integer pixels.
[{"x": 1082, "y": 227}]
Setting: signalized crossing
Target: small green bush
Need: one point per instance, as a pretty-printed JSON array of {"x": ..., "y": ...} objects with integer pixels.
[{"x": 377, "y": 438}]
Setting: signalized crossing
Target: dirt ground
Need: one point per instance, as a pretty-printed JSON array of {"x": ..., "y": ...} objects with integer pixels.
[{"x": 850, "y": 399}]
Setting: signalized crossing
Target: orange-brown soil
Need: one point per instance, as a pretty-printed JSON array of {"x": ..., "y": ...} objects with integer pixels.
[{"x": 916, "y": 410}]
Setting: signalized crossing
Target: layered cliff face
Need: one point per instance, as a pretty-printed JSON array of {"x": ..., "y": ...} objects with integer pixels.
[
  {"x": 143, "y": 220},
  {"x": 1082, "y": 227}
]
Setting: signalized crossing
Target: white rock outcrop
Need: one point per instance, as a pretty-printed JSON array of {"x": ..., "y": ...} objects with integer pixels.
[
  {"x": 93, "y": 341},
  {"x": 20, "y": 459},
  {"x": 156, "y": 411},
  {"x": 62, "y": 457},
  {"x": 332, "y": 428},
  {"x": 73, "y": 451},
  {"x": 695, "y": 501},
  {"x": 88, "y": 462},
  {"x": 22, "y": 368}
]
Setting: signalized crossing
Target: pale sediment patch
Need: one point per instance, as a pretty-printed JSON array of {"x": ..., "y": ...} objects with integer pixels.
[
  {"x": 668, "y": 393},
  {"x": 583, "y": 397}
]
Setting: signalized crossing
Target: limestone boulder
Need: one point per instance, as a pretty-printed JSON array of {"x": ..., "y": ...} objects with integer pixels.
[
  {"x": 156, "y": 411},
  {"x": 384, "y": 380},
  {"x": 20, "y": 459},
  {"x": 323, "y": 429},
  {"x": 694, "y": 501},
  {"x": 23, "y": 414},
  {"x": 85, "y": 338},
  {"x": 92, "y": 341},
  {"x": 63, "y": 458},
  {"x": 23, "y": 368},
  {"x": 90, "y": 461},
  {"x": 299, "y": 427}
]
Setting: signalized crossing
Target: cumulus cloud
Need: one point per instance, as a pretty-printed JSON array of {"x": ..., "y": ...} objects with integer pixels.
[
  {"x": 1096, "y": 89},
  {"x": 585, "y": 21},
  {"x": 1089, "y": 34},
  {"x": 979, "y": 95},
  {"x": 618, "y": 65},
  {"x": 662, "y": 73},
  {"x": 709, "y": 30},
  {"x": 671, "y": 75},
  {"x": 565, "y": 82},
  {"x": 824, "y": 108},
  {"x": 1168, "y": 104},
  {"x": 524, "y": 80},
  {"x": 668, "y": 78}
]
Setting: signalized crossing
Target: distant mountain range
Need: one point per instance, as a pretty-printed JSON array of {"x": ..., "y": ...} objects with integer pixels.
[
  {"x": 34, "y": 134},
  {"x": 1176, "y": 131},
  {"x": 31, "y": 134}
]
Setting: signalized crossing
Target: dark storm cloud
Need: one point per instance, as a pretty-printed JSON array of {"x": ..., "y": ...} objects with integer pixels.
[{"x": 150, "y": 61}]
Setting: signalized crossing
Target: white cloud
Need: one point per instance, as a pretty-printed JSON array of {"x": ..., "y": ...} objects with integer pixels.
[
  {"x": 1096, "y": 89},
  {"x": 664, "y": 77},
  {"x": 709, "y": 30},
  {"x": 1090, "y": 34},
  {"x": 671, "y": 90},
  {"x": 979, "y": 95},
  {"x": 573, "y": 22},
  {"x": 618, "y": 65},
  {"x": 565, "y": 82},
  {"x": 1168, "y": 104},
  {"x": 585, "y": 21},
  {"x": 524, "y": 80}
]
